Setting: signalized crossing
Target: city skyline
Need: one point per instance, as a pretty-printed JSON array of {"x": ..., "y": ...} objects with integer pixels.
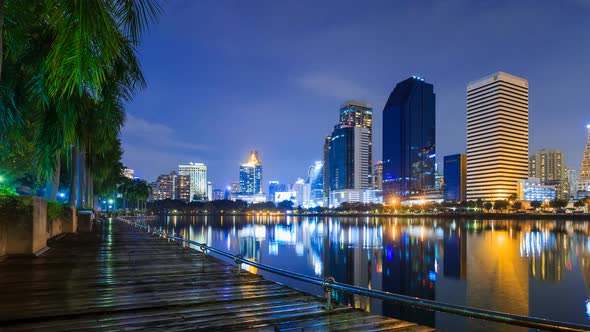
[{"x": 282, "y": 101}]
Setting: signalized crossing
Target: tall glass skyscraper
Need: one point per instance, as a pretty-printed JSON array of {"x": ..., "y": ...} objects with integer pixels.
[
  {"x": 409, "y": 147},
  {"x": 251, "y": 175},
  {"x": 350, "y": 167},
  {"x": 316, "y": 182}
]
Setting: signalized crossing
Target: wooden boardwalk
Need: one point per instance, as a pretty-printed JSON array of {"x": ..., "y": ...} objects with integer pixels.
[{"x": 119, "y": 278}]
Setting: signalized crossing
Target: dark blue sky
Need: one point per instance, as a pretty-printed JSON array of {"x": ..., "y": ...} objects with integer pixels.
[{"x": 225, "y": 77}]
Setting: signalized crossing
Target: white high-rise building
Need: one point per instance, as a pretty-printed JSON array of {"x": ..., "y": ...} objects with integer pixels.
[
  {"x": 197, "y": 173},
  {"x": 583, "y": 183},
  {"x": 497, "y": 136}
]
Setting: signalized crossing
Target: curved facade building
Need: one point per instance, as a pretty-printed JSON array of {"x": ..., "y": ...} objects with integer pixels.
[
  {"x": 497, "y": 136},
  {"x": 409, "y": 141}
]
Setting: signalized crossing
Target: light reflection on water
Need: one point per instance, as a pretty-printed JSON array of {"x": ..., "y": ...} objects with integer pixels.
[{"x": 536, "y": 268}]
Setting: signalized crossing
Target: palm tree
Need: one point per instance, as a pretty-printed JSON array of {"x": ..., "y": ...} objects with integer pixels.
[{"x": 72, "y": 48}]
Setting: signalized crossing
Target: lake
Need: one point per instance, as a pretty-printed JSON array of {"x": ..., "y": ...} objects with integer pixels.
[{"x": 535, "y": 268}]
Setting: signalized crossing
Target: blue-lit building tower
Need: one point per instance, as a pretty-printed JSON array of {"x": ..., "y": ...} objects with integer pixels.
[
  {"x": 409, "y": 142},
  {"x": 316, "y": 182},
  {"x": 251, "y": 175},
  {"x": 455, "y": 175}
]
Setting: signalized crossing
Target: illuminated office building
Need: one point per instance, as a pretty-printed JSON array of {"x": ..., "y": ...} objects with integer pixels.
[
  {"x": 316, "y": 182},
  {"x": 182, "y": 187},
  {"x": 583, "y": 183},
  {"x": 548, "y": 165},
  {"x": 326, "y": 170},
  {"x": 409, "y": 141},
  {"x": 218, "y": 195},
  {"x": 251, "y": 175},
  {"x": 197, "y": 173},
  {"x": 572, "y": 179},
  {"x": 532, "y": 189},
  {"x": 378, "y": 175},
  {"x": 497, "y": 136},
  {"x": 349, "y": 163},
  {"x": 275, "y": 187}
]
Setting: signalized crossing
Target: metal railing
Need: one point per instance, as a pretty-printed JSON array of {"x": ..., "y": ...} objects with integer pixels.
[{"x": 329, "y": 284}]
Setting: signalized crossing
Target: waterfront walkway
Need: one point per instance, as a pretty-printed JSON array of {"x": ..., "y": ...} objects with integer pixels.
[{"x": 119, "y": 278}]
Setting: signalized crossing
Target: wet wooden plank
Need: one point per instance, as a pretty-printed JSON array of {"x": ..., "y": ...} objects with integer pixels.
[{"x": 119, "y": 278}]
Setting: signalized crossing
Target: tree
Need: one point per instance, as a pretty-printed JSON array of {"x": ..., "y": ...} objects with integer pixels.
[
  {"x": 501, "y": 205},
  {"x": 285, "y": 205},
  {"x": 68, "y": 63},
  {"x": 488, "y": 206},
  {"x": 558, "y": 203},
  {"x": 580, "y": 203},
  {"x": 517, "y": 205},
  {"x": 536, "y": 204}
]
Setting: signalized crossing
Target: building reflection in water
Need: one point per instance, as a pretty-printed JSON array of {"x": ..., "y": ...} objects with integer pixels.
[{"x": 502, "y": 265}]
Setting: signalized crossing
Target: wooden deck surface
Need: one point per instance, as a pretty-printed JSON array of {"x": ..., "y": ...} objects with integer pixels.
[{"x": 119, "y": 278}]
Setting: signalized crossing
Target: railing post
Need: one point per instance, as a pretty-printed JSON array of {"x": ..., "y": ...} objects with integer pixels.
[
  {"x": 239, "y": 263},
  {"x": 326, "y": 285}
]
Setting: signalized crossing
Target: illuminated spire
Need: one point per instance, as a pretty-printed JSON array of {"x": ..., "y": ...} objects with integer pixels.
[{"x": 254, "y": 161}]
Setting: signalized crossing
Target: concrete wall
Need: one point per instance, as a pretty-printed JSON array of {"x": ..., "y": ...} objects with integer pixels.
[{"x": 25, "y": 226}]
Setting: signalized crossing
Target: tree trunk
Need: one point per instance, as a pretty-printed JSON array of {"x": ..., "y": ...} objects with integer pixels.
[
  {"x": 90, "y": 187},
  {"x": 1, "y": 39},
  {"x": 74, "y": 177},
  {"x": 52, "y": 184},
  {"x": 82, "y": 189}
]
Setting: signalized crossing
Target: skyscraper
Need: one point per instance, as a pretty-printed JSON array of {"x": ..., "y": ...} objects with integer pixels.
[
  {"x": 316, "y": 182},
  {"x": 378, "y": 175},
  {"x": 251, "y": 175},
  {"x": 572, "y": 179},
  {"x": 358, "y": 114},
  {"x": 197, "y": 173},
  {"x": 326, "y": 171},
  {"x": 547, "y": 165},
  {"x": 409, "y": 141},
  {"x": 455, "y": 178},
  {"x": 583, "y": 184},
  {"x": 182, "y": 187},
  {"x": 349, "y": 162},
  {"x": 497, "y": 136}
]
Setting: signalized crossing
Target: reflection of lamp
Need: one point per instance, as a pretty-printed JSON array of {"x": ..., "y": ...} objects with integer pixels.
[{"x": 588, "y": 308}]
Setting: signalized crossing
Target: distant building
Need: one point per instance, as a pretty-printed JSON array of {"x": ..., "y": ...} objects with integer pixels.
[
  {"x": 349, "y": 159},
  {"x": 583, "y": 183},
  {"x": 358, "y": 114},
  {"x": 572, "y": 178},
  {"x": 235, "y": 187},
  {"x": 497, "y": 136},
  {"x": 182, "y": 188},
  {"x": 250, "y": 198},
  {"x": 532, "y": 190},
  {"x": 548, "y": 165},
  {"x": 128, "y": 173},
  {"x": 316, "y": 182},
  {"x": 197, "y": 173},
  {"x": 378, "y": 175},
  {"x": 218, "y": 195},
  {"x": 281, "y": 196},
  {"x": 274, "y": 187},
  {"x": 455, "y": 178},
  {"x": 365, "y": 196},
  {"x": 251, "y": 175},
  {"x": 209, "y": 191},
  {"x": 326, "y": 171},
  {"x": 302, "y": 193},
  {"x": 409, "y": 140}
]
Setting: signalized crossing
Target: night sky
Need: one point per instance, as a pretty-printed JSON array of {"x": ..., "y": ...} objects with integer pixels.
[{"x": 225, "y": 77}]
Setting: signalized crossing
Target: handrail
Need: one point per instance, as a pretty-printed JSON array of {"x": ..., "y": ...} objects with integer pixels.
[{"x": 329, "y": 284}]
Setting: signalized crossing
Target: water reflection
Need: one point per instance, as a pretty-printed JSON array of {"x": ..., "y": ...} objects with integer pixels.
[{"x": 534, "y": 268}]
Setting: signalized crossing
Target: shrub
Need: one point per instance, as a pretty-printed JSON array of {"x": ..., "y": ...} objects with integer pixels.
[
  {"x": 7, "y": 191},
  {"x": 56, "y": 210}
]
